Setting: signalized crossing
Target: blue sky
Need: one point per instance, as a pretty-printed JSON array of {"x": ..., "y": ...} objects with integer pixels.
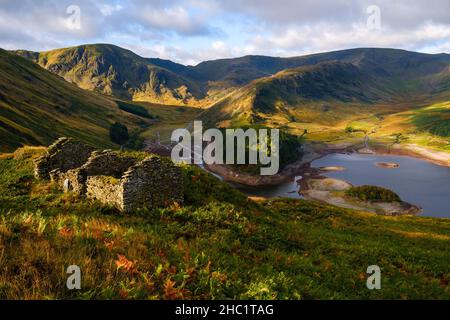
[{"x": 191, "y": 31}]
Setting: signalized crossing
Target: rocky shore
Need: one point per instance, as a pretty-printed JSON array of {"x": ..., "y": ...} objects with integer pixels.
[
  {"x": 332, "y": 191},
  {"x": 412, "y": 150},
  {"x": 297, "y": 168},
  {"x": 314, "y": 151},
  {"x": 315, "y": 186}
]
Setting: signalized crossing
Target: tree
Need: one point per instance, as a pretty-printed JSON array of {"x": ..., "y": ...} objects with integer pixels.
[
  {"x": 305, "y": 132},
  {"x": 399, "y": 138},
  {"x": 118, "y": 133}
]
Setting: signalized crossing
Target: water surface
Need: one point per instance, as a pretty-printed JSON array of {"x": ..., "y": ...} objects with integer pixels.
[
  {"x": 416, "y": 181},
  {"x": 284, "y": 190}
]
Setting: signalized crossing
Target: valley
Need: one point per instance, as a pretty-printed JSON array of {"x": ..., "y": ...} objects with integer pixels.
[
  {"x": 37, "y": 106},
  {"x": 345, "y": 199},
  {"x": 381, "y": 101}
]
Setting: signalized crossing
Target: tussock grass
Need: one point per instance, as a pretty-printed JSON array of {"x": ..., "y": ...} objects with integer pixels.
[{"x": 218, "y": 245}]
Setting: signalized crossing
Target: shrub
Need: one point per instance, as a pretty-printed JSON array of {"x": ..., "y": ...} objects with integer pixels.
[
  {"x": 349, "y": 129},
  {"x": 118, "y": 133},
  {"x": 134, "y": 109}
]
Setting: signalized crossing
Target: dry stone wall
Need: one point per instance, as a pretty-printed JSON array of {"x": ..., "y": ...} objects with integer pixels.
[
  {"x": 108, "y": 163},
  {"x": 63, "y": 155},
  {"x": 119, "y": 179},
  {"x": 73, "y": 180},
  {"x": 105, "y": 189},
  {"x": 154, "y": 182}
]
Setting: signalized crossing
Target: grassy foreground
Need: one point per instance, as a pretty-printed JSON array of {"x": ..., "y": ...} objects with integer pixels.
[{"x": 219, "y": 245}]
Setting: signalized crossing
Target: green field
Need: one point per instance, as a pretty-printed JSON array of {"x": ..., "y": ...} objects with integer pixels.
[
  {"x": 170, "y": 118},
  {"x": 218, "y": 245}
]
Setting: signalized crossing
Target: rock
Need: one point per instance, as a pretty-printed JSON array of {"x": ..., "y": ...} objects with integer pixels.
[
  {"x": 128, "y": 182},
  {"x": 64, "y": 154}
]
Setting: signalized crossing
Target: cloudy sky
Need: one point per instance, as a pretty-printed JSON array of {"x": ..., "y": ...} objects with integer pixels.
[{"x": 191, "y": 31}]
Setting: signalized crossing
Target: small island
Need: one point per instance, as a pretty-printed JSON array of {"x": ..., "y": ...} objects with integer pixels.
[
  {"x": 387, "y": 165},
  {"x": 331, "y": 168},
  {"x": 364, "y": 198}
]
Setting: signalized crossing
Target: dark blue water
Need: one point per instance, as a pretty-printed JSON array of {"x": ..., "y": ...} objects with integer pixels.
[
  {"x": 284, "y": 190},
  {"x": 416, "y": 181}
]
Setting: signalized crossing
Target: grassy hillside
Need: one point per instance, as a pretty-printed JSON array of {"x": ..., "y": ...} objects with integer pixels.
[
  {"x": 364, "y": 77},
  {"x": 388, "y": 62},
  {"x": 364, "y": 89},
  {"x": 37, "y": 106},
  {"x": 219, "y": 245},
  {"x": 112, "y": 70},
  {"x": 282, "y": 93},
  {"x": 426, "y": 126}
]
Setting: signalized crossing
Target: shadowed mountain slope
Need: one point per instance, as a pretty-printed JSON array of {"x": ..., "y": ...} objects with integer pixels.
[
  {"x": 112, "y": 70},
  {"x": 115, "y": 71},
  {"x": 360, "y": 76},
  {"x": 37, "y": 106}
]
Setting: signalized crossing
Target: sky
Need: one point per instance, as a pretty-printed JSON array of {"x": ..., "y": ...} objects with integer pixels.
[{"x": 192, "y": 31}]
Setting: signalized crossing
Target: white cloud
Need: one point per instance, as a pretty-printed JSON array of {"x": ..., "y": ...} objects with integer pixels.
[
  {"x": 172, "y": 28},
  {"x": 219, "y": 45},
  {"x": 323, "y": 37},
  {"x": 107, "y": 9}
]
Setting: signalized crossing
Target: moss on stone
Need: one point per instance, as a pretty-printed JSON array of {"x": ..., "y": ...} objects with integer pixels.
[
  {"x": 138, "y": 155},
  {"x": 109, "y": 179}
]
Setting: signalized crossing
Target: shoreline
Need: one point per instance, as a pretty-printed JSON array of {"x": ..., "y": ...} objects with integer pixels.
[
  {"x": 313, "y": 151},
  {"x": 310, "y": 174},
  {"x": 439, "y": 158},
  {"x": 329, "y": 190},
  {"x": 299, "y": 167}
]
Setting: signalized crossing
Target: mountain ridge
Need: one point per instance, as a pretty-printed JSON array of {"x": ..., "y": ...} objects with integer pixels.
[
  {"x": 327, "y": 94},
  {"x": 115, "y": 71}
]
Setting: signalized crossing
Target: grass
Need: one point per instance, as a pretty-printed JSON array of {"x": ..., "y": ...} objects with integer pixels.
[
  {"x": 424, "y": 126},
  {"x": 434, "y": 119},
  {"x": 171, "y": 118},
  {"x": 36, "y": 107},
  {"x": 218, "y": 245}
]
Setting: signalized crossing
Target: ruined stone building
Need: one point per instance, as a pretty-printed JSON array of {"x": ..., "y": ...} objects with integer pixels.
[{"x": 127, "y": 181}]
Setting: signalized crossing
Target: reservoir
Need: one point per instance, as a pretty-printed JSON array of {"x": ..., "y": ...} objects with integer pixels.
[{"x": 416, "y": 181}]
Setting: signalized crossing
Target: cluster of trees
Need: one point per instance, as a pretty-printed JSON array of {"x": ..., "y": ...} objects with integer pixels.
[
  {"x": 118, "y": 133},
  {"x": 372, "y": 193},
  {"x": 289, "y": 151}
]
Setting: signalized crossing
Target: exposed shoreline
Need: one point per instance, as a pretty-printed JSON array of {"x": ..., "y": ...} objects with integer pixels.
[
  {"x": 299, "y": 167},
  {"x": 308, "y": 174},
  {"x": 331, "y": 191},
  {"x": 314, "y": 151}
]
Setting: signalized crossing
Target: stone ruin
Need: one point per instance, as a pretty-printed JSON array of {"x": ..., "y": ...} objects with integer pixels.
[{"x": 125, "y": 180}]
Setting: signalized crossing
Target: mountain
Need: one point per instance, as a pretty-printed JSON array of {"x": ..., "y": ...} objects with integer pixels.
[
  {"x": 112, "y": 70},
  {"x": 37, "y": 106},
  {"x": 363, "y": 77},
  {"x": 245, "y": 69}
]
